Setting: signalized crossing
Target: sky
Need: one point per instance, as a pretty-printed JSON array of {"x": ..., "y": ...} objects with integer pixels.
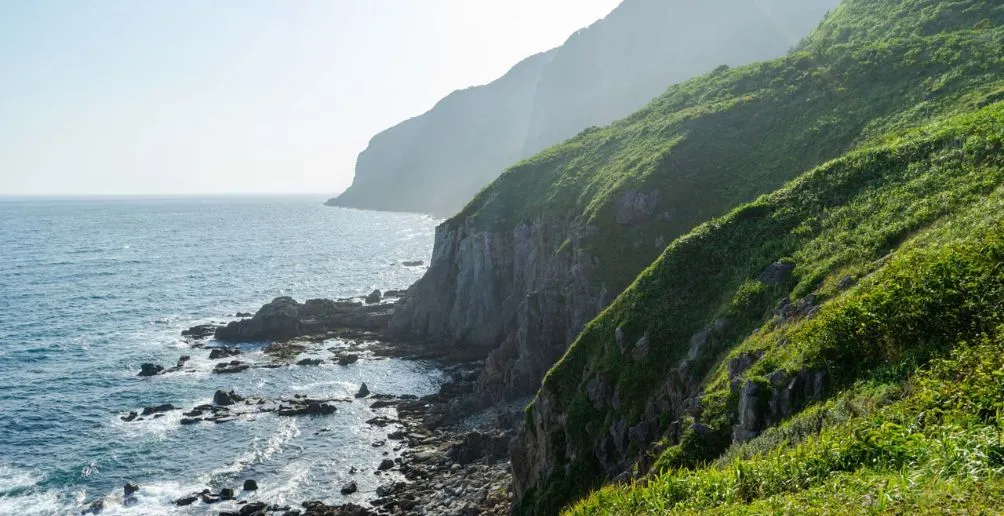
[{"x": 161, "y": 97}]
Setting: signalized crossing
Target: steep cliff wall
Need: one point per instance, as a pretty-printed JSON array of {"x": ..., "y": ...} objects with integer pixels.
[{"x": 438, "y": 161}]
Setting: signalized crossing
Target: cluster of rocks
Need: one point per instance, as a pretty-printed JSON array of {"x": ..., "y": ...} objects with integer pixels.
[
  {"x": 150, "y": 369},
  {"x": 284, "y": 319},
  {"x": 228, "y": 406}
]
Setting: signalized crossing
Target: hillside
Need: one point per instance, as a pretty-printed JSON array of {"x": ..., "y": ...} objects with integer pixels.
[
  {"x": 438, "y": 161},
  {"x": 832, "y": 347},
  {"x": 535, "y": 256}
]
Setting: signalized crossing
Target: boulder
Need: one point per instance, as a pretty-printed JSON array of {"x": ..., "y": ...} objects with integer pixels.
[
  {"x": 148, "y": 369},
  {"x": 374, "y": 297},
  {"x": 363, "y": 391},
  {"x": 233, "y": 366},
  {"x": 284, "y": 319},
  {"x": 345, "y": 360},
  {"x": 130, "y": 488},
  {"x": 182, "y": 360},
  {"x": 130, "y": 417},
  {"x": 202, "y": 331},
  {"x": 159, "y": 409},
  {"x": 350, "y": 488},
  {"x": 223, "y": 398},
  {"x": 95, "y": 507},
  {"x": 313, "y": 408},
  {"x": 386, "y": 464},
  {"x": 776, "y": 274},
  {"x": 250, "y": 485},
  {"x": 224, "y": 352},
  {"x": 310, "y": 362},
  {"x": 227, "y": 493},
  {"x": 186, "y": 500}
]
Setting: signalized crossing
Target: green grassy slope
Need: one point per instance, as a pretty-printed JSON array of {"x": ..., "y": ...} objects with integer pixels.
[
  {"x": 710, "y": 143},
  {"x": 906, "y": 95}
]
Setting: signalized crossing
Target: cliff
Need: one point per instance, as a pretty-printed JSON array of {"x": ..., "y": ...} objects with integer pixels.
[{"x": 437, "y": 162}]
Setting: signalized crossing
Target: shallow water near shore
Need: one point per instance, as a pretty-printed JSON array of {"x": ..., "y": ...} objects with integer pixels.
[{"x": 90, "y": 289}]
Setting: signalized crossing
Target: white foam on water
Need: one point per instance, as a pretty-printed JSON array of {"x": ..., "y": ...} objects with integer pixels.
[{"x": 17, "y": 495}]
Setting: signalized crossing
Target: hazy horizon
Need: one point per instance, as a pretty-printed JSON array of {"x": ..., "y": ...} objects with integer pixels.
[{"x": 177, "y": 99}]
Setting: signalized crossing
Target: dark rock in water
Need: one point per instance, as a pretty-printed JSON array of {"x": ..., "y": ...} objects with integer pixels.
[
  {"x": 131, "y": 417},
  {"x": 413, "y": 263},
  {"x": 363, "y": 391},
  {"x": 167, "y": 407},
  {"x": 94, "y": 507},
  {"x": 224, "y": 399},
  {"x": 310, "y": 362},
  {"x": 254, "y": 509},
  {"x": 190, "y": 421},
  {"x": 202, "y": 331},
  {"x": 130, "y": 488},
  {"x": 209, "y": 498},
  {"x": 349, "y": 509},
  {"x": 395, "y": 293},
  {"x": 233, "y": 366},
  {"x": 186, "y": 500},
  {"x": 150, "y": 369},
  {"x": 350, "y": 488},
  {"x": 347, "y": 360},
  {"x": 777, "y": 273},
  {"x": 243, "y": 315},
  {"x": 386, "y": 490},
  {"x": 182, "y": 360},
  {"x": 386, "y": 464},
  {"x": 227, "y": 493},
  {"x": 284, "y": 319},
  {"x": 374, "y": 297},
  {"x": 314, "y": 408},
  {"x": 250, "y": 485},
  {"x": 225, "y": 352}
]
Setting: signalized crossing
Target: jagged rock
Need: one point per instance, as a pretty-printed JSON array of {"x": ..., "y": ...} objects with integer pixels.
[
  {"x": 350, "y": 488},
  {"x": 284, "y": 319},
  {"x": 224, "y": 352},
  {"x": 320, "y": 509},
  {"x": 310, "y": 362},
  {"x": 313, "y": 408},
  {"x": 254, "y": 509},
  {"x": 345, "y": 360},
  {"x": 130, "y": 417},
  {"x": 386, "y": 490},
  {"x": 231, "y": 367},
  {"x": 202, "y": 331},
  {"x": 395, "y": 293},
  {"x": 224, "y": 399},
  {"x": 640, "y": 351},
  {"x": 777, "y": 273},
  {"x": 129, "y": 489},
  {"x": 596, "y": 390},
  {"x": 227, "y": 493},
  {"x": 477, "y": 445},
  {"x": 250, "y": 485},
  {"x": 186, "y": 500},
  {"x": 148, "y": 369},
  {"x": 182, "y": 360},
  {"x": 95, "y": 507},
  {"x": 374, "y": 297},
  {"x": 386, "y": 464},
  {"x": 363, "y": 391},
  {"x": 243, "y": 315},
  {"x": 149, "y": 411}
]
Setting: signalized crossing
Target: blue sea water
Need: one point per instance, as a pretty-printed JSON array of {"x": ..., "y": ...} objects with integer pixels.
[{"x": 90, "y": 289}]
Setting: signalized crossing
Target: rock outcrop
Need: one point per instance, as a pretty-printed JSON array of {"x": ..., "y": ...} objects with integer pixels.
[{"x": 285, "y": 318}]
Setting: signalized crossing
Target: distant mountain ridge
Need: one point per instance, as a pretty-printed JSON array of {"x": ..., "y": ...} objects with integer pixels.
[{"x": 435, "y": 163}]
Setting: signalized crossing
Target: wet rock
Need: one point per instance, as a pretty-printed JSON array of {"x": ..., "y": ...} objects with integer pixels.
[
  {"x": 310, "y": 362},
  {"x": 225, "y": 399},
  {"x": 386, "y": 464},
  {"x": 95, "y": 507},
  {"x": 202, "y": 331},
  {"x": 284, "y": 319},
  {"x": 182, "y": 360},
  {"x": 190, "y": 421},
  {"x": 250, "y": 485},
  {"x": 130, "y": 488},
  {"x": 320, "y": 509},
  {"x": 149, "y": 411},
  {"x": 225, "y": 352},
  {"x": 150, "y": 369},
  {"x": 254, "y": 509},
  {"x": 243, "y": 315},
  {"x": 186, "y": 500},
  {"x": 313, "y": 408},
  {"x": 413, "y": 263},
  {"x": 227, "y": 493},
  {"x": 363, "y": 391},
  {"x": 350, "y": 488},
  {"x": 345, "y": 360},
  {"x": 130, "y": 417},
  {"x": 234, "y": 366},
  {"x": 386, "y": 490},
  {"x": 395, "y": 293},
  {"x": 777, "y": 273},
  {"x": 374, "y": 297}
]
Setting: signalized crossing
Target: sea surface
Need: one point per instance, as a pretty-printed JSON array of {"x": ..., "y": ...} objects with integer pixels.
[{"x": 90, "y": 289}]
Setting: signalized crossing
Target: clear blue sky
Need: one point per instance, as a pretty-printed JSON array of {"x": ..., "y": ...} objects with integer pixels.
[{"x": 117, "y": 97}]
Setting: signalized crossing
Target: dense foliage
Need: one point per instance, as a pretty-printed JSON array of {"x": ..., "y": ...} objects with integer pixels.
[{"x": 896, "y": 245}]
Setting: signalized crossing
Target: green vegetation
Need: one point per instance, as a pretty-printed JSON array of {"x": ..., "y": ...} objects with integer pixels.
[{"x": 897, "y": 246}]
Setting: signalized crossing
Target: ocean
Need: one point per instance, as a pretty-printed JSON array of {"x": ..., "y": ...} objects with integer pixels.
[{"x": 90, "y": 289}]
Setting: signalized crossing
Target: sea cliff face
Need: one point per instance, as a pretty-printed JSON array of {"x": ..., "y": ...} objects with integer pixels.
[{"x": 516, "y": 297}]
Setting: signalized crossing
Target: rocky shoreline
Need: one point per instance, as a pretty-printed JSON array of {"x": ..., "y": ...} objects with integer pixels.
[{"x": 448, "y": 467}]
